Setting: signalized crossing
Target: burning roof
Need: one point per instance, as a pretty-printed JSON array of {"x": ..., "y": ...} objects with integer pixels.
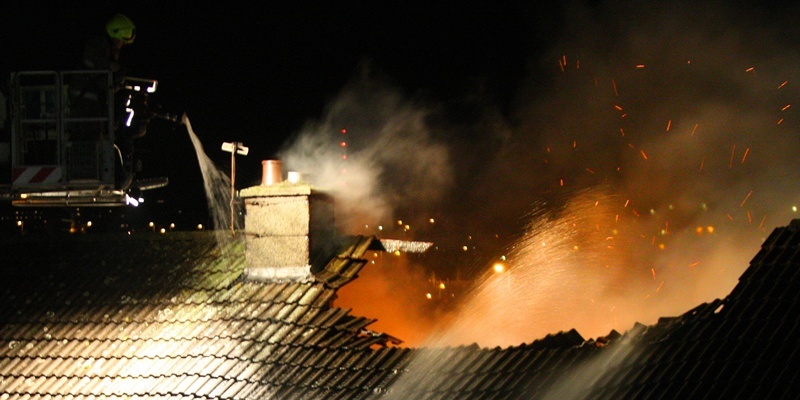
[{"x": 165, "y": 315}]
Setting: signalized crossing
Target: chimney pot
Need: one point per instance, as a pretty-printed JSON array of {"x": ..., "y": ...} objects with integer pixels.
[
  {"x": 271, "y": 172},
  {"x": 294, "y": 177}
]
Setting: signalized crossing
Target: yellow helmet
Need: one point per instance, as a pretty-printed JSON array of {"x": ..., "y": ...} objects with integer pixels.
[{"x": 122, "y": 28}]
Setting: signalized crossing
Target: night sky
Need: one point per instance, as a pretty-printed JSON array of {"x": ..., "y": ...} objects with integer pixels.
[{"x": 260, "y": 72}]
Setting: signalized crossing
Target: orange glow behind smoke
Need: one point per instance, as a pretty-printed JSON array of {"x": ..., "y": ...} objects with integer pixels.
[
  {"x": 656, "y": 185},
  {"x": 581, "y": 267},
  {"x": 392, "y": 291}
]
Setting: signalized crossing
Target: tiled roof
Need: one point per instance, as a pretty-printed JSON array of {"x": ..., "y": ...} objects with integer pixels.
[
  {"x": 155, "y": 316},
  {"x": 165, "y": 315}
]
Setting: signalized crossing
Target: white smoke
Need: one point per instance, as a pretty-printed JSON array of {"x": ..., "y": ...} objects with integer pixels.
[{"x": 373, "y": 150}]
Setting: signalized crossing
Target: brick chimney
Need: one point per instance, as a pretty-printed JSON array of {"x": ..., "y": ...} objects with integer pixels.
[{"x": 289, "y": 227}]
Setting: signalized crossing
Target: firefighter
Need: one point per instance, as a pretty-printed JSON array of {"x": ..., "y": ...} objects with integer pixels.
[
  {"x": 102, "y": 52},
  {"x": 89, "y": 93}
]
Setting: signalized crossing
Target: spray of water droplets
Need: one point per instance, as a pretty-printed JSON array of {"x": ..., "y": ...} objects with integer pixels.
[{"x": 218, "y": 191}]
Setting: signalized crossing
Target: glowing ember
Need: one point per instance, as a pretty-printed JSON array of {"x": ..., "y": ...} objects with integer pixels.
[{"x": 499, "y": 267}]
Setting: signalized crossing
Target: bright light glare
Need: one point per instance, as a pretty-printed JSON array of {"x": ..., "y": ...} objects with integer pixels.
[
  {"x": 499, "y": 267},
  {"x": 130, "y": 116},
  {"x": 131, "y": 201}
]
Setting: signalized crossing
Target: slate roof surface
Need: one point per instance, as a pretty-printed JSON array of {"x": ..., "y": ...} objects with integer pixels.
[{"x": 106, "y": 316}]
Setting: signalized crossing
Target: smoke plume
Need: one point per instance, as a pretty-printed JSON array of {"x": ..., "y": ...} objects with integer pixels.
[
  {"x": 651, "y": 149},
  {"x": 373, "y": 151},
  {"x": 661, "y": 145}
]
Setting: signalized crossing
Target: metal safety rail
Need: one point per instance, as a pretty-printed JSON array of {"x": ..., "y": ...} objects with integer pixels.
[
  {"x": 62, "y": 135},
  {"x": 69, "y": 144}
]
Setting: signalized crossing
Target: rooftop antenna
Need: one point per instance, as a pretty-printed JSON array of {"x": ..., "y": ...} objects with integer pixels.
[{"x": 234, "y": 148}]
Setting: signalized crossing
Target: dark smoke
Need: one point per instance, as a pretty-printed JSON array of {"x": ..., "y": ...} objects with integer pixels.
[{"x": 679, "y": 118}]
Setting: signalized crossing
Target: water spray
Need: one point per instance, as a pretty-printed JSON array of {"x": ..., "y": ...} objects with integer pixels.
[{"x": 217, "y": 187}]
